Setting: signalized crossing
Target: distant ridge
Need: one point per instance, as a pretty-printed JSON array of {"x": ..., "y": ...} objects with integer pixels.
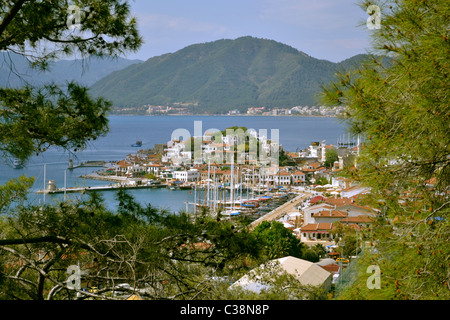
[
  {"x": 219, "y": 76},
  {"x": 15, "y": 70}
]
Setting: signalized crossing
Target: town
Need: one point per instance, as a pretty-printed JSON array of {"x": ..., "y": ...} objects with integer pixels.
[
  {"x": 303, "y": 191},
  {"x": 186, "y": 109}
]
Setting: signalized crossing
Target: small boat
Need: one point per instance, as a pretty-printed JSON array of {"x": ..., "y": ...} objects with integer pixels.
[
  {"x": 250, "y": 204},
  {"x": 137, "y": 144},
  {"x": 231, "y": 213},
  {"x": 17, "y": 164}
]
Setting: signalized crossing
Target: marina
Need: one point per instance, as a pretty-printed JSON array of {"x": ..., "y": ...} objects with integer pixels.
[
  {"x": 99, "y": 156},
  {"x": 215, "y": 198}
]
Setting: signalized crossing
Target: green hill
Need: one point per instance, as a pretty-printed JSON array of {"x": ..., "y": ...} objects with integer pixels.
[{"x": 219, "y": 76}]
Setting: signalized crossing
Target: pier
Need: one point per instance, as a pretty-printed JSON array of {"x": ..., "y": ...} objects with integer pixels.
[
  {"x": 99, "y": 188},
  {"x": 87, "y": 164},
  {"x": 281, "y": 210}
]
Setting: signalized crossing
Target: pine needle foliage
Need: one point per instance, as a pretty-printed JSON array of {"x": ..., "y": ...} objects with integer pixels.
[{"x": 401, "y": 108}]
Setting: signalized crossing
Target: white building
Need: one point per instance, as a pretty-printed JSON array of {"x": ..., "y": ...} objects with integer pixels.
[
  {"x": 298, "y": 177},
  {"x": 282, "y": 177},
  {"x": 186, "y": 175},
  {"x": 306, "y": 272}
]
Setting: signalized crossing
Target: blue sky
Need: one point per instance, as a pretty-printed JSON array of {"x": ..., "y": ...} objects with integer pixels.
[{"x": 326, "y": 29}]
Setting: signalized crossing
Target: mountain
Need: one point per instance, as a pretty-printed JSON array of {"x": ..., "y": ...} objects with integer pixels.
[
  {"x": 220, "y": 76},
  {"x": 15, "y": 70}
]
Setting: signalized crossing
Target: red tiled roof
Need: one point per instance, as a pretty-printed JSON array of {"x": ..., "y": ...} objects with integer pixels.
[
  {"x": 316, "y": 199},
  {"x": 123, "y": 164},
  {"x": 338, "y": 201},
  {"x": 333, "y": 268},
  {"x": 358, "y": 219},
  {"x": 317, "y": 227},
  {"x": 330, "y": 214}
]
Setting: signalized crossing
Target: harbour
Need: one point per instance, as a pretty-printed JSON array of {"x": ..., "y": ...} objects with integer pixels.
[
  {"x": 295, "y": 133},
  {"x": 255, "y": 202}
]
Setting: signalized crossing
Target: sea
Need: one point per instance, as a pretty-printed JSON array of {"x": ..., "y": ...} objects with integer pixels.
[{"x": 294, "y": 134}]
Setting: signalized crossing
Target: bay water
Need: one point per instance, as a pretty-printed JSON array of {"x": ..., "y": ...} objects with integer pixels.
[{"x": 295, "y": 134}]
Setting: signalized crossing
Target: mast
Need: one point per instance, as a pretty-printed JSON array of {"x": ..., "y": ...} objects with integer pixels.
[
  {"x": 65, "y": 184},
  {"x": 253, "y": 182},
  {"x": 195, "y": 198},
  {"x": 45, "y": 180},
  {"x": 209, "y": 169},
  {"x": 232, "y": 185},
  {"x": 215, "y": 190},
  {"x": 248, "y": 188},
  {"x": 240, "y": 187}
]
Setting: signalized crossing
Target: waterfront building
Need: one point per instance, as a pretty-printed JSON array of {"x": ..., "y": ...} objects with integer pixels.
[
  {"x": 298, "y": 177},
  {"x": 186, "y": 175},
  {"x": 282, "y": 178}
]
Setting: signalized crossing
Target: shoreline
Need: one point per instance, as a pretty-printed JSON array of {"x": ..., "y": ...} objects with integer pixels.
[{"x": 221, "y": 115}]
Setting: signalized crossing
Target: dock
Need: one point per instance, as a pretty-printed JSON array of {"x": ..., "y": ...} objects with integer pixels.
[
  {"x": 281, "y": 210},
  {"x": 100, "y": 188},
  {"x": 87, "y": 164}
]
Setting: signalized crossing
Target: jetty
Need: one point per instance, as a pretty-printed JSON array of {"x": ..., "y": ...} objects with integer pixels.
[
  {"x": 99, "y": 188},
  {"x": 96, "y": 176},
  {"x": 87, "y": 164},
  {"x": 281, "y": 210},
  {"x": 120, "y": 184}
]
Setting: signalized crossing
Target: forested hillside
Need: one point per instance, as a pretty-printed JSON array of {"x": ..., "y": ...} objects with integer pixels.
[{"x": 222, "y": 75}]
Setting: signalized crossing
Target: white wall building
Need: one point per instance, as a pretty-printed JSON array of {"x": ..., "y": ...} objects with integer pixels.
[{"x": 186, "y": 175}]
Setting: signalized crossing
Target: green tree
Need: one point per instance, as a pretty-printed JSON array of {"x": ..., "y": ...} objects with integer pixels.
[
  {"x": 14, "y": 190},
  {"x": 322, "y": 181},
  {"x": 331, "y": 155},
  {"x": 398, "y": 102},
  {"x": 164, "y": 255},
  {"x": 320, "y": 250},
  {"x": 277, "y": 241},
  {"x": 285, "y": 159},
  {"x": 347, "y": 238},
  {"x": 33, "y": 119}
]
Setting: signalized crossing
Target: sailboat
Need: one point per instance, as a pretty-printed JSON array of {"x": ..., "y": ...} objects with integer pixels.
[{"x": 232, "y": 211}]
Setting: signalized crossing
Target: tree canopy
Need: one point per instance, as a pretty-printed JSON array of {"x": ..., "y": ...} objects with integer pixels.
[
  {"x": 32, "y": 119},
  {"x": 401, "y": 110},
  {"x": 159, "y": 255}
]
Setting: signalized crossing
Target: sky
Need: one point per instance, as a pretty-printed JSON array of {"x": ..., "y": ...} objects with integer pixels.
[{"x": 325, "y": 29}]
